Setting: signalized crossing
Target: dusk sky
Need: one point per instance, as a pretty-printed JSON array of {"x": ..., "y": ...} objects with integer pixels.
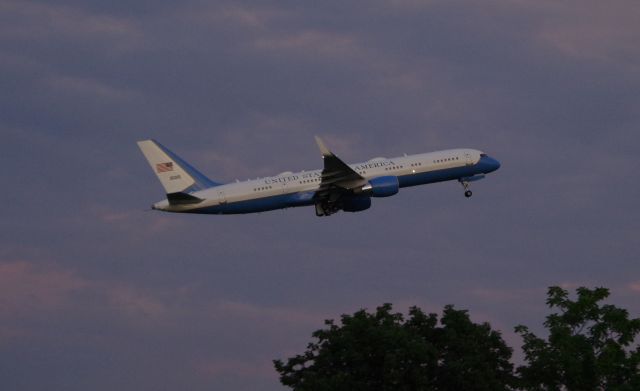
[{"x": 99, "y": 293}]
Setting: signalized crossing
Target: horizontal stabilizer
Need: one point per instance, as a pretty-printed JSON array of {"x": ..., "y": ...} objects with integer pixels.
[{"x": 182, "y": 198}]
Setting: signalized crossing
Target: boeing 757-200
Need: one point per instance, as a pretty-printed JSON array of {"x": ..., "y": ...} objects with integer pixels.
[{"x": 338, "y": 186}]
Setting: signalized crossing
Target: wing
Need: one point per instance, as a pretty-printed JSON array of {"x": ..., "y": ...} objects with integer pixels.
[{"x": 336, "y": 174}]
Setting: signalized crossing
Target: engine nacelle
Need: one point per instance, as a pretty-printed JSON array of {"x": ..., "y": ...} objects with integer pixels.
[
  {"x": 383, "y": 186},
  {"x": 356, "y": 203}
]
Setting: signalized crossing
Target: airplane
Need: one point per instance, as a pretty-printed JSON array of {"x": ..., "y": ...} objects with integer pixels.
[{"x": 338, "y": 186}]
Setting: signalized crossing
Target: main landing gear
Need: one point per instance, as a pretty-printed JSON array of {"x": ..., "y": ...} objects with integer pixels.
[
  {"x": 467, "y": 192},
  {"x": 326, "y": 209}
]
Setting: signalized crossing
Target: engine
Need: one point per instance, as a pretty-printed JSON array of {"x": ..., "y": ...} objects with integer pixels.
[
  {"x": 356, "y": 203},
  {"x": 360, "y": 200},
  {"x": 383, "y": 186}
]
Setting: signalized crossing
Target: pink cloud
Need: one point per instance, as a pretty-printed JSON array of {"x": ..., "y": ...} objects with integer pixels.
[
  {"x": 245, "y": 17},
  {"x": 216, "y": 367},
  {"x": 131, "y": 220},
  {"x": 25, "y": 285},
  {"x": 87, "y": 87},
  {"x": 131, "y": 302},
  {"x": 218, "y": 165},
  {"x": 269, "y": 314},
  {"x": 572, "y": 285},
  {"x": 311, "y": 42},
  {"x": 593, "y": 30},
  {"x": 511, "y": 295},
  {"x": 411, "y": 4},
  {"x": 111, "y": 217},
  {"x": 495, "y": 294},
  {"x": 46, "y": 20},
  {"x": 635, "y": 287},
  {"x": 28, "y": 289}
]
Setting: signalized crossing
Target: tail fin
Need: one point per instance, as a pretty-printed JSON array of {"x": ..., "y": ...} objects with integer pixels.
[{"x": 175, "y": 174}]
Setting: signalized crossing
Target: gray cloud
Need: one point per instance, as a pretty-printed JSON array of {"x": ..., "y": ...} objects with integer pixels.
[{"x": 99, "y": 293}]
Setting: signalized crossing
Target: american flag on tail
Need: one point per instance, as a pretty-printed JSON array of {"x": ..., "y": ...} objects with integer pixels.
[{"x": 164, "y": 167}]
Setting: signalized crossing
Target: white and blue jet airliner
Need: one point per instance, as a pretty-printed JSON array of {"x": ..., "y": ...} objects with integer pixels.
[{"x": 338, "y": 186}]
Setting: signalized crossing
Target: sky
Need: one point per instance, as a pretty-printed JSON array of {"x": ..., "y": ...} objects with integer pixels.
[{"x": 97, "y": 292}]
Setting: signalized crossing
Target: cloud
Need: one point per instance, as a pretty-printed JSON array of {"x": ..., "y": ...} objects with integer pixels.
[
  {"x": 269, "y": 315},
  {"x": 549, "y": 88},
  {"x": 88, "y": 88},
  {"x": 634, "y": 287},
  {"x": 593, "y": 30},
  {"x": 412, "y": 4},
  {"x": 28, "y": 287},
  {"x": 30, "y": 290},
  {"x": 313, "y": 43},
  {"x": 139, "y": 225},
  {"x": 32, "y": 20},
  {"x": 503, "y": 295},
  {"x": 217, "y": 367},
  {"x": 254, "y": 17},
  {"x": 132, "y": 302}
]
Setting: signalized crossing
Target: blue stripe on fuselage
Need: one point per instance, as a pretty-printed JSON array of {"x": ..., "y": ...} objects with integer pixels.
[{"x": 260, "y": 204}]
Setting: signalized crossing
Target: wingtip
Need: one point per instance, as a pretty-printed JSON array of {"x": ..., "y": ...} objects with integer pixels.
[
  {"x": 323, "y": 148},
  {"x": 146, "y": 141}
]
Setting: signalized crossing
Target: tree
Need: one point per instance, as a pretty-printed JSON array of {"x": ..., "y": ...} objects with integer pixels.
[
  {"x": 588, "y": 347},
  {"x": 383, "y": 351}
]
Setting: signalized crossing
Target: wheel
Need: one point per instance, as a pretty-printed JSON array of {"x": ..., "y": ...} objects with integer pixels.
[{"x": 468, "y": 193}]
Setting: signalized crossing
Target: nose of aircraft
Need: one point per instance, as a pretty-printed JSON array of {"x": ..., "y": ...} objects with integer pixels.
[{"x": 489, "y": 164}]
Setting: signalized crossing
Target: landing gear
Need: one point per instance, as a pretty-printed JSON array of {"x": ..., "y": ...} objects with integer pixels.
[
  {"x": 326, "y": 209},
  {"x": 467, "y": 192}
]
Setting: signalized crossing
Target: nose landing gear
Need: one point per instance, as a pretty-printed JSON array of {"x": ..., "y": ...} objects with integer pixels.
[{"x": 467, "y": 192}]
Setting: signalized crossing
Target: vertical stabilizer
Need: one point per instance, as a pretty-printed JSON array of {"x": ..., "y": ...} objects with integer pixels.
[{"x": 175, "y": 174}]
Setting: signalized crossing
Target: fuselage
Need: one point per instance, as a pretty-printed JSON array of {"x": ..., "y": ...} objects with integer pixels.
[{"x": 292, "y": 189}]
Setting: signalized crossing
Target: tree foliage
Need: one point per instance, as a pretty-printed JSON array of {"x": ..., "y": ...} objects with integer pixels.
[
  {"x": 385, "y": 351},
  {"x": 588, "y": 346}
]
